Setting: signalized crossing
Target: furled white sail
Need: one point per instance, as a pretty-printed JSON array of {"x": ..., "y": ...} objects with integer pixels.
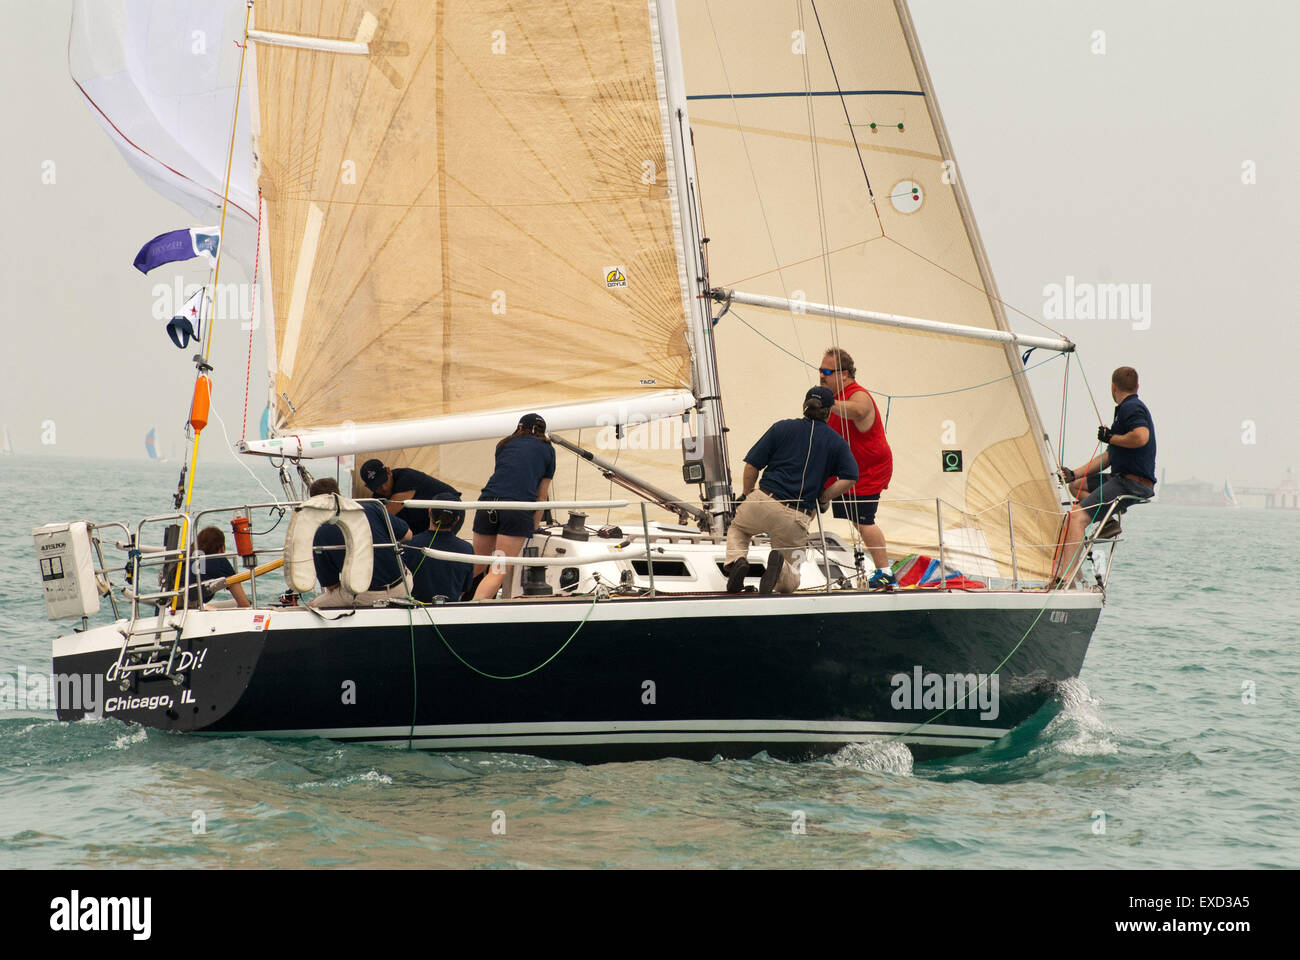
[
  {"x": 160, "y": 76},
  {"x": 796, "y": 107}
]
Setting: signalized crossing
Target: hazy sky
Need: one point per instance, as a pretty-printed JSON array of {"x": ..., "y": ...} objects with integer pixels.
[{"x": 1117, "y": 167}]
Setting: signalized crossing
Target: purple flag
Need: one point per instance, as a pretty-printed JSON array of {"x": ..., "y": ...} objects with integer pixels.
[{"x": 178, "y": 245}]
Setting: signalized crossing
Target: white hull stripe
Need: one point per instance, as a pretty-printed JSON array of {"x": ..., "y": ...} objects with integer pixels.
[
  {"x": 501, "y": 743},
  {"x": 660, "y": 731},
  {"x": 207, "y": 624}
]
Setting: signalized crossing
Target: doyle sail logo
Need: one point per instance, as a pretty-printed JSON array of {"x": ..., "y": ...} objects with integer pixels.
[
  {"x": 78, "y": 913},
  {"x": 919, "y": 690},
  {"x": 615, "y": 277}
]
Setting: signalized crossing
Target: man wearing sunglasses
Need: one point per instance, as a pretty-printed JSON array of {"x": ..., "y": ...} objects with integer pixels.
[{"x": 856, "y": 418}]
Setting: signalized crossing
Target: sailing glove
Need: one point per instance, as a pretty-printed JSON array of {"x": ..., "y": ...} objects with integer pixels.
[
  {"x": 1104, "y": 434},
  {"x": 1067, "y": 475}
]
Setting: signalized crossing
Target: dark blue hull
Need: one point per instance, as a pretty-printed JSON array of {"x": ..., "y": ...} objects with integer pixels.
[{"x": 690, "y": 677}]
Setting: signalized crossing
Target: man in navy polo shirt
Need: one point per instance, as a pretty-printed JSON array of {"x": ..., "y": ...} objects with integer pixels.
[
  {"x": 797, "y": 458},
  {"x": 401, "y": 484},
  {"x": 1131, "y": 457}
]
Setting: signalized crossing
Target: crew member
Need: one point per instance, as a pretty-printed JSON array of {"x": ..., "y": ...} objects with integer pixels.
[
  {"x": 1131, "y": 457},
  {"x": 856, "y": 418},
  {"x": 209, "y": 566},
  {"x": 525, "y": 466},
  {"x": 435, "y": 576},
  {"x": 797, "y": 459},
  {"x": 404, "y": 483},
  {"x": 388, "y": 579}
]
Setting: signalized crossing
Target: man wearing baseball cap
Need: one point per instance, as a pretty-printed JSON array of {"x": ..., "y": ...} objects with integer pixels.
[
  {"x": 796, "y": 459},
  {"x": 401, "y": 484}
]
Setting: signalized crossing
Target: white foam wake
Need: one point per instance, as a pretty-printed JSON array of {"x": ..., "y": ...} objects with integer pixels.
[
  {"x": 1079, "y": 729},
  {"x": 875, "y": 756}
]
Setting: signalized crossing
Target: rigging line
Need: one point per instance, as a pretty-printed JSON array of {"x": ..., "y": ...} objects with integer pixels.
[
  {"x": 945, "y": 393},
  {"x": 1088, "y": 386},
  {"x": 823, "y": 238},
  {"x": 800, "y": 263},
  {"x": 1065, "y": 400},
  {"x": 618, "y": 452},
  {"x": 216, "y": 273},
  {"x": 847, "y": 119},
  {"x": 902, "y": 396},
  {"x": 575, "y": 468},
  {"x": 976, "y": 286},
  {"x": 231, "y": 448},
  {"x": 252, "y": 313},
  {"x": 1041, "y": 610},
  {"x": 749, "y": 160}
]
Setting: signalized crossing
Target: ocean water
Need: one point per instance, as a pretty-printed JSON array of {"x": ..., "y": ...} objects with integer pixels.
[{"x": 1176, "y": 748}]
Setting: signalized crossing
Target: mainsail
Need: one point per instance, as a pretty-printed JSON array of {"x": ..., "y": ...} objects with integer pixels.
[
  {"x": 472, "y": 214},
  {"x": 826, "y": 176}
]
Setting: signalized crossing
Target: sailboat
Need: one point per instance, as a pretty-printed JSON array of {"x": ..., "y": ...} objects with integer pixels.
[
  {"x": 151, "y": 445},
  {"x": 461, "y": 212},
  {"x": 6, "y": 447}
]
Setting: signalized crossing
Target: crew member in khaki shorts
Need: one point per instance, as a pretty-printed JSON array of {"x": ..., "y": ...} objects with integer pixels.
[{"x": 796, "y": 458}]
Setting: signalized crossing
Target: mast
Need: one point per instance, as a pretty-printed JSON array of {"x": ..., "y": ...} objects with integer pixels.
[{"x": 695, "y": 286}]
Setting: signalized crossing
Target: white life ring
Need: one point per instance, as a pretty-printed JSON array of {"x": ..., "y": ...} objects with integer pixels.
[{"x": 358, "y": 555}]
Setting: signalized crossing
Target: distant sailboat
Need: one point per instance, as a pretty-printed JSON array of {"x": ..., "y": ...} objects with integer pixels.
[
  {"x": 6, "y": 447},
  {"x": 151, "y": 445},
  {"x": 1229, "y": 495}
]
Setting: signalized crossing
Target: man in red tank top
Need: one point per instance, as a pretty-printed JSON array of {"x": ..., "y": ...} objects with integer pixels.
[{"x": 856, "y": 418}]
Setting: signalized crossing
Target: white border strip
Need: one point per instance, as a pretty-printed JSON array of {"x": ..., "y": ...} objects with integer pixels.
[
  {"x": 705, "y": 729},
  {"x": 212, "y": 623}
]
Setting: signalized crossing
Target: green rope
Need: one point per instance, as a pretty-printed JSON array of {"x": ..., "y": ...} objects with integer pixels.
[
  {"x": 517, "y": 676},
  {"x": 1019, "y": 644},
  {"x": 415, "y": 688}
]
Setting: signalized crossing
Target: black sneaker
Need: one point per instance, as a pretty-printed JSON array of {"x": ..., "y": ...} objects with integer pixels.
[
  {"x": 772, "y": 573},
  {"x": 736, "y": 574},
  {"x": 1110, "y": 529}
]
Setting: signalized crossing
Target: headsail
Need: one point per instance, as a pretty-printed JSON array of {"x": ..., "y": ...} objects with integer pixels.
[
  {"x": 471, "y": 215},
  {"x": 824, "y": 175},
  {"x": 160, "y": 77}
]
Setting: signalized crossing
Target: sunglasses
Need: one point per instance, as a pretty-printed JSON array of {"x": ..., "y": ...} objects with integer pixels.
[{"x": 826, "y": 372}]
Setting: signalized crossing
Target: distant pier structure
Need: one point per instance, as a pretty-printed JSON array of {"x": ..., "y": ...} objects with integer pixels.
[
  {"x": 1285, "y": 496},
  {"x": 1201, "y": 493}
]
